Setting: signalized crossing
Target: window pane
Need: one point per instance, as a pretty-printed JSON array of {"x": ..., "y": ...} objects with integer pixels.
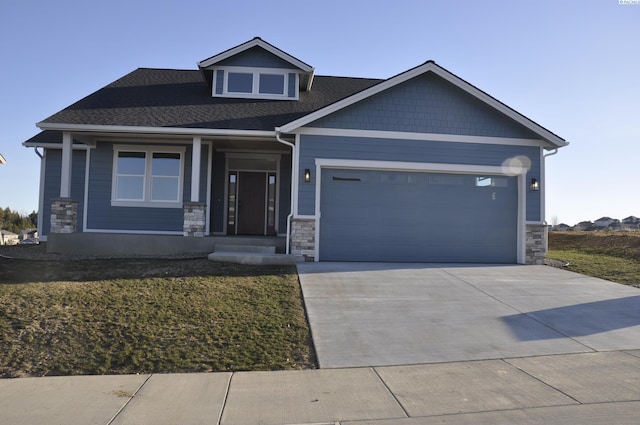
[
  {"x": 130, "y": 188},
  {"x": 131, "y": 163},
  {"x": 238, "y": 82},
  {"x": 164, "y": 189},
  {"x": 165, "y": 164},
  {"x": 271, "y": 84}
]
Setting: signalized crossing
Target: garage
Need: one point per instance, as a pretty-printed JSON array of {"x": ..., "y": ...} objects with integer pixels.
[{"x": 397, "y": 216}]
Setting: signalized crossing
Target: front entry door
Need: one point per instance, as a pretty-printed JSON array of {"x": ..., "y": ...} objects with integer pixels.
[{"x": 251, "y": 203}]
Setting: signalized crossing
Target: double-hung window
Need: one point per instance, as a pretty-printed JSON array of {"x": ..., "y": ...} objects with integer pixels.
[{"x": 147, "y": 177}]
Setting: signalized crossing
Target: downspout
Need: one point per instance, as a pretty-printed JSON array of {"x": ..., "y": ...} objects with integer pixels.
[
  {"x": 544, "y": 159},
  {"x": 37, "y": 153},
  {"x": 293, "y": 175}
]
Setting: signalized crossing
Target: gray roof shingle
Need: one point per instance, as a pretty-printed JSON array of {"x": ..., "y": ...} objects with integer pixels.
[{"x": 181, "y": 98}]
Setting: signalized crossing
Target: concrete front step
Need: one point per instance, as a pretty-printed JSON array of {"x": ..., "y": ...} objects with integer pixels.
[
  {"x": 261, "y": 249},
  {"x": 252, "y": 258}
]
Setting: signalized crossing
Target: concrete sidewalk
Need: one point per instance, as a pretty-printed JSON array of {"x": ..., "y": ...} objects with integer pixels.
[{"x": 587, "y": 388}]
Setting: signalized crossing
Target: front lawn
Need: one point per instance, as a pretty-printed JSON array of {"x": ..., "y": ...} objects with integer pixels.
[
  {"x": 613, "y": 256},
  {"x": 149, "y": 315}
]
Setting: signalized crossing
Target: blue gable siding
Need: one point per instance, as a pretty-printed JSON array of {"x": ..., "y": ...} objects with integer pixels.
[
  {"x": 53, "y": 162},
  {"x": 256, "y": 57},
  {"x": 102, "y": 216},
  {"x": 425, "y": 104},
  {"x": 312, "y": 146}
]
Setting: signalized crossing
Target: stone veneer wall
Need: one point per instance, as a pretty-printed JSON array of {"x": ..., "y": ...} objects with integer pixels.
[
  {"x": 194, "y": 218},
  {"x": 536, "y": 243},
  {"x": 303, "y": 239},
  {"x": 64, "y": 215}
]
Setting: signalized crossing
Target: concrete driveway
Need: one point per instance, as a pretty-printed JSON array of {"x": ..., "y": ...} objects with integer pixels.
[{"x": 380, "y": 314}]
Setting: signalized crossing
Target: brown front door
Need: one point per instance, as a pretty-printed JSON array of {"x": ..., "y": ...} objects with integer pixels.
[{"x": 251, "y": 203}]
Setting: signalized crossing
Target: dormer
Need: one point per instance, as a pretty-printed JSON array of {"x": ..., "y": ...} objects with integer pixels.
[{"x": 256, "y": 70}]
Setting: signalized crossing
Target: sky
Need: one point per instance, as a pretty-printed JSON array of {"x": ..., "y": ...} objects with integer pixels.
[{"x": 571, "y": 66}]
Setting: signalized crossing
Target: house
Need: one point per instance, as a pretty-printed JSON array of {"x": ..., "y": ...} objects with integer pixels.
[
  {"x": 28, "y": 236},
  {"x": 562, "y": 227},
  {"x": 585, "y": 226},
  {"x": 8, "y": 238},
  {"x": 631, "y": 223},
  {"x": 604, "y": 222},
  {"x": 422, "y": 166}
]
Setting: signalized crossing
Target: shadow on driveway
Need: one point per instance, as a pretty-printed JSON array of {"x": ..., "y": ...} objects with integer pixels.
[{"x": 580, "y": 319}]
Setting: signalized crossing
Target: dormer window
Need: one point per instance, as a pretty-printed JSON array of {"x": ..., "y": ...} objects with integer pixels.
[{"x": 255, "y": 83}]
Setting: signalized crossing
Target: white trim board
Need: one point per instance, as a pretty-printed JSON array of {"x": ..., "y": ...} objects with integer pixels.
[
  {"x": 409, "y": 166},
  {"x": 139, "y": 130},
  {"x": 427, "y": 137}
]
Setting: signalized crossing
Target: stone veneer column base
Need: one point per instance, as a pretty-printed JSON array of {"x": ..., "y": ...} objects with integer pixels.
[
  {"x": 536, "y": 243},
  {"x": 64, "y": 215},
  {"x": 194, "y": 218},
  {"x": 303, "y": 239}
]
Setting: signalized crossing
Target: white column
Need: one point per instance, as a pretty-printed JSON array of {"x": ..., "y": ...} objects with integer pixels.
[
  {"x": 65, "y": 172},
  {"x": 195, "y": 169}
]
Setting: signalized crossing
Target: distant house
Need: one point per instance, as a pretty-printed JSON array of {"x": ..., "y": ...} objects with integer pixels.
[
  {"x": 585, "y": 226},
  {"x": 562, "y": 227},
  {"x": 28, "y": 236},
  {"x": 605, "y": 222},
  {"x": 422, "y": 166},
  {"x": 630, "y": 223},
  {"x": 8, "y": 238}
]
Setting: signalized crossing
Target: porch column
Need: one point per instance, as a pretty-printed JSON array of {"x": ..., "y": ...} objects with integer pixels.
[
  {"x": 195, "y": 169},
  {"x": 65, "y": 172}
]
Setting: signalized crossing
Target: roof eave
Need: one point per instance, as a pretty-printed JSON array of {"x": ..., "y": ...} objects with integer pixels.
[{"x": 172, "y": 131}]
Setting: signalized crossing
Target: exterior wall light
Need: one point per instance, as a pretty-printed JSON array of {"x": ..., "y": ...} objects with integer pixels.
[
  {"x": 535, "y": 186},
  {"x": 307, "y": 175}
]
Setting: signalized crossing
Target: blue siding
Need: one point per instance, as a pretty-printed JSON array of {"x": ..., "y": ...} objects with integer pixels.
[
  {"x": 312, "y": 147},
  {"x": 52, "y": 185},
  {"x": 101, "y": 215},
  {"x": 292, "y": 85},
  {"x": 256, "y": 57},
  {"x": 219, "y": 81},
  {"x": 425, "y": 104}
]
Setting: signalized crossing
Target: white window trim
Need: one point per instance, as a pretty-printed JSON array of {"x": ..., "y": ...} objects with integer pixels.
[
  {"x": 149, "y": 151},
  {"x": 256, "y": 82}
]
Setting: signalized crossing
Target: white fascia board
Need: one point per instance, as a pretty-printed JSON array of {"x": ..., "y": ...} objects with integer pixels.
[
  {"x": 405, "y": 76},
  {"x": 253, "y": 43},
  {"x": 427, "y": 137},
  {"x": 172, "y": 131}
]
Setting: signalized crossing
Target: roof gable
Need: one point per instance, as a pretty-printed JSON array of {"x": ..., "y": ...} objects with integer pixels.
[
  {"x": 258, "y": 53},
  {"x": 426, "y": 68},
  {"x": 425, "y": 104},
  {"x": 255, "y": 42}
]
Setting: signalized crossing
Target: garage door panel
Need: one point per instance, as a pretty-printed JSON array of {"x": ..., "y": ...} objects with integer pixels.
[{"x": 396, "y": 216}]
